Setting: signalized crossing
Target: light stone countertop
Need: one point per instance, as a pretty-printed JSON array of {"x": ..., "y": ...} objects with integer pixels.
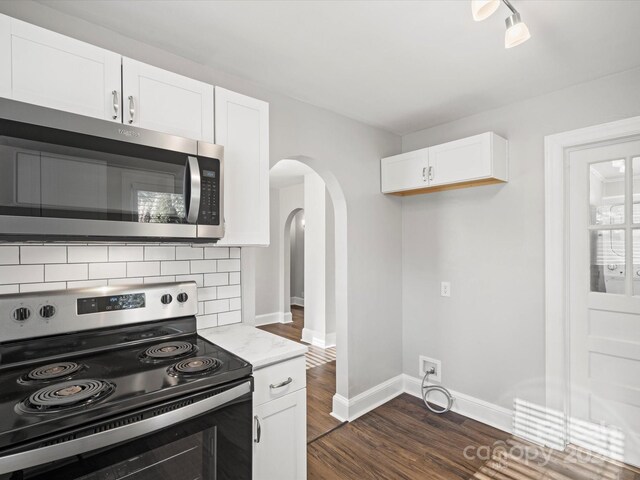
[{"x": 257, "y": 347}]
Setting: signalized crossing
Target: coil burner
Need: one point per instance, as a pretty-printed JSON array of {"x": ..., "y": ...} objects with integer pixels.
[
  {"x": 194, "y": 366},
  {"x": 66, "y": 395},
  {"x": 53, "y": 371},
  {"x": 168, "y": 350}
]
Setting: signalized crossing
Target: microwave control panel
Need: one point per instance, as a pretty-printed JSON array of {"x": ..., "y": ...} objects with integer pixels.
[{"x": 209, "y": 191}]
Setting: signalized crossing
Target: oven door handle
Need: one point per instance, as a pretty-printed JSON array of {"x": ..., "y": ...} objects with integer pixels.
[
  {"x": 192, "y": 189},
  {"x": 51, "y": 453}
]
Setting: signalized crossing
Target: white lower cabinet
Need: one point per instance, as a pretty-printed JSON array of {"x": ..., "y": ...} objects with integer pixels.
[{"x": 280, "y": 422}]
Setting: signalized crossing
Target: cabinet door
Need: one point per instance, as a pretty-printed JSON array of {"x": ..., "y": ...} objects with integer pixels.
[
  {"x": 462, "y": 160},
  {"x": 59, "y": 72},
  {"x": 166, "y": 102},
  {"x": 406, "y": 171},
  {"x": 242, "y": 126},
  {"x": 281, "y": 428}
]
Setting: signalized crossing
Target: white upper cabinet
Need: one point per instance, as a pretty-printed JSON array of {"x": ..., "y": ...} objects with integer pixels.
[
  {"x": 242, "y": 126},
  {"x": 406, "y": 171},
  {"x": 166, "y": 102},
  {"x": 473, "y": 161},
  {"x": 45, "y": 68}
]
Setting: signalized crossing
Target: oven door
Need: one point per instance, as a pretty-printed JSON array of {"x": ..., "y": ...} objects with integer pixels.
[{"x": 194, "y": 438}]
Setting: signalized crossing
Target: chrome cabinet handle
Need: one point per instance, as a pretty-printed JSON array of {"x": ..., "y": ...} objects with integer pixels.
[
  {"x": 132, "y": 108},
  {"x": 258, "y": 430},
  {"x": 281, "y": 384},
  {"x": 116, "y": 104},
  {"x": 430, "y": 173},
  {"x": 424, "y": 174}
]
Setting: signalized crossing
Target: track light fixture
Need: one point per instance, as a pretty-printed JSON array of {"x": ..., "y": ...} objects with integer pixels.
[{"x": 517, "y": 31}]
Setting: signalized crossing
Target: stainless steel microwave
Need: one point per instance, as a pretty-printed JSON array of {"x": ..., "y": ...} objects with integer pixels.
[{"x": 68, "y": 177}]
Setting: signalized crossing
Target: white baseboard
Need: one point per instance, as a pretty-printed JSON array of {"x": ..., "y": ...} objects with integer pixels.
[
  {"x": 299, "y": 301},
  {"x": 317, "y": 339},
  {"x": 275, "y": 317},
  {"x": 484, "y": 412},
  {"x": 349, "y": 409}
]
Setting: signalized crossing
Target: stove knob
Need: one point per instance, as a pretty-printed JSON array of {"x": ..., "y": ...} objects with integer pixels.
[
  {"x": 183, "y": 297},
  {"x": 21, "y": 314},
  {"x": 47, "y": 311},
  {"x": 166, "y": 299}
]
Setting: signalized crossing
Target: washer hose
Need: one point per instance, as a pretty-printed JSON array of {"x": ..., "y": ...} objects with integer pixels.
[{"x": 427, "y": 389}]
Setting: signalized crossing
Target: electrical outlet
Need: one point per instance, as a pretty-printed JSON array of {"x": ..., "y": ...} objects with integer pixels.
[
  {"x": 426, "y": 364},
  {"x": 445, "y": 289}
]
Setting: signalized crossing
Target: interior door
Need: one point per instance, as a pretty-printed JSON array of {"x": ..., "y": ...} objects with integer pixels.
[
  {"x": 166, "y": 102},
  {"x": 604, "y": 286},
  {"x": 59, "y": 72}
]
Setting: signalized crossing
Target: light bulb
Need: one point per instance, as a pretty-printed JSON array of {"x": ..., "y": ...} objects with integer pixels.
[
  {"x": 482, "y": 9},
  {"x": 517, "y": 32}
]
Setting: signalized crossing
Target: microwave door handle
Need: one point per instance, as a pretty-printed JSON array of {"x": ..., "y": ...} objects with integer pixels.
[
  {"x": 39, "y": 456},
  {"x": 192, "y": 203}
]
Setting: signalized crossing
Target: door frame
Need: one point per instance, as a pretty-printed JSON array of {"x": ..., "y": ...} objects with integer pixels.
[{"x": 557, "y": 378}]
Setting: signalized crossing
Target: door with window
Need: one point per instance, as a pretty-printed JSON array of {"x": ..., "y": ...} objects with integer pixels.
[{"x": 604, "y": 308}]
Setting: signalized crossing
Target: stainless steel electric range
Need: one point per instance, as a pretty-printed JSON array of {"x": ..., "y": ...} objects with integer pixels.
[{"x": 114, "y": 383}]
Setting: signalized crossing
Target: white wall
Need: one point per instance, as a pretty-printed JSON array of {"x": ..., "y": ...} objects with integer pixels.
[
  {"x": 297, "y": 257},
  {"x": 489, "y": 242},
  {"x": 348, "y": 149},
  {"x": 267, "y": 295}
]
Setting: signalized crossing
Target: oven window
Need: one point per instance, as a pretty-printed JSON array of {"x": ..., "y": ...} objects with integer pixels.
[{"x": 213, "y": 446}]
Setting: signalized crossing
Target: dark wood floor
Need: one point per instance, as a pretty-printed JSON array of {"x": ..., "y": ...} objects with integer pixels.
[
  {"x": 403, "y": 440},
  {"x": 321, "y": 380}
]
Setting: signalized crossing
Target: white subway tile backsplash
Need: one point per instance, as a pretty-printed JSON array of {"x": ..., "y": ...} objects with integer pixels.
[
  {"x": 227, "y": 318},
  {"x": 43, "y": 254},
  {"x": 72, "y": 271},
  {"x": 107, "y": 270},
  {"x": 86, "y": 254},
  {"x": 216, "y": 271},
  {"x": 232, "y": 265},
  {"x": 229, "y": 291},
  {"x": 198, "y": 278},
  {"x": 174, "y": 268},
  {"x": 159, "y": 253},
  {"x": 126, "y": 281},
  {"x": 87, "y": 284},
  {"x": 215, "y": 279},
  {"x": 207, "y": 293},
  {"x": 203, "y": 266},
  {"x": 143, "y": 269},
  {"x": 9, "y": 255},
  {"x": 42, "y": 287},
  {"x": 235, "y": 303},
  {"x": 216, "y": 306},
  {"x": 126, "y": 254},
  {"x": 7, "y": 289},
  {"x": 21, "y": 273},
  {"x": 207, "y": 321},
  {"x": 189, "y": 253},
  {"x": 165, "y": 279},
  {"x": 216, "y": 252}
]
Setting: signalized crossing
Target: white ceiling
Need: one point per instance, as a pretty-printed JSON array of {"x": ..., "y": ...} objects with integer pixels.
[
  {"x": 286, "y": 173},
  {"x": 398, "y": 65}
]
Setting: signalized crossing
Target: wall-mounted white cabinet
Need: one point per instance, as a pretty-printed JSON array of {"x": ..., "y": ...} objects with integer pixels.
[
  {"x": 280, "y": 421},
  {"x": 45, "y": 68},
  {"x": 242, "y": 126},
  {"x": 473, "y": 161},
  {"x": 164, "y": 101}
]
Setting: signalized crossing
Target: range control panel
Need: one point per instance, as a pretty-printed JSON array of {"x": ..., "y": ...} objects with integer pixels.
[{"x": 38, "y": 314}]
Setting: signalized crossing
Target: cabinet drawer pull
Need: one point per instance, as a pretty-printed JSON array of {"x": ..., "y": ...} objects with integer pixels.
[
  {"x": 281, "y": 384},
  {"x": 116, "y": 104},
  {"x": 132, "y": 108},
  {"x": 258, "y": 430}
]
